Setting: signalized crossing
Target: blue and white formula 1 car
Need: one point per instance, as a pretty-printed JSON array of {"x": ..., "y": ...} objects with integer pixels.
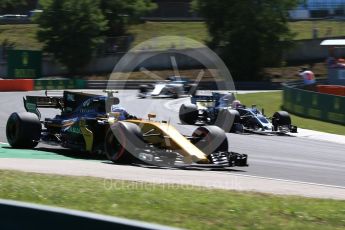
[
  {"x": 228, "y": 113},
  {"x": 174, "y": 87}
]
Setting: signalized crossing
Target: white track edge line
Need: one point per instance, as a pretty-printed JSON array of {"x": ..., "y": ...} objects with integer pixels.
[
  {"x": 276, "y": 179},
  {"x": 289, "y": 181}
]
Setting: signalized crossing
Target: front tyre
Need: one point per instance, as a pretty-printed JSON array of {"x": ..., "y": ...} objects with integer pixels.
[
  {"x": 210, "y": 139},
  {"x": 281, "y": 118},
  {"x": 122, "y": 141},
  {"x": 226, "y": 118},
  {"x": 23, "y": 130},
  {"x": 188, "y": 114}
]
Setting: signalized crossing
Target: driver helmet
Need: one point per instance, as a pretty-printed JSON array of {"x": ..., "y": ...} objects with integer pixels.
[
  {"x": 226, "y": 100},
  {"x": 236, "y": 104},
  {"x": 121, "y": 111}
]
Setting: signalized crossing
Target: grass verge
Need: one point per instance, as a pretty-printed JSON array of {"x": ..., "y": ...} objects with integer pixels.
[
  {"x": 24, "y": 36},
  {"x": 193, "y": 30},
  {"x": 186, "y": 207},
  {"x": 272, "y": 102}
]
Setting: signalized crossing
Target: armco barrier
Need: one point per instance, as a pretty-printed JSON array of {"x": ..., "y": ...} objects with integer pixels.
[
  {"x": 314, "y": 105},
  {"x": 20, "y": 215},
  {"x": 16, "y": 85},
  {"x": 54, "y": 84},
  {"x": 211, "y": 85}
]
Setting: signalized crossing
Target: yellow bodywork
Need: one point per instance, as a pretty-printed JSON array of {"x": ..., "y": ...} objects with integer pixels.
[
  {"x": 170, "y": 138},
  {"x": 164, "y": 135},
  {"x": 87, "y": 134}
]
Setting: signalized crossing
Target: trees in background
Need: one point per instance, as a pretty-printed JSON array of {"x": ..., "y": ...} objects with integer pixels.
[
  {"x": 8, "y": 6},
  {"x": 71, "y": 30},
  {"x": 121, "y": 13},
  {"x": 251, "y": 33}
]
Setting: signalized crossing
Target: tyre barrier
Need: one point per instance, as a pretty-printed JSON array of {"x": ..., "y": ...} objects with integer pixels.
[
  {"x": 22, "y": 215},
  {"x": 16, "y": 85},
  {"x": 338, "y": 90},
  {"x": 315, "y": 105}
]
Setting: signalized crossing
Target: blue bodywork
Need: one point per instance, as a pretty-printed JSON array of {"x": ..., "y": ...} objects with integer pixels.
[
  {"x": 251, "y": 118},
  {"x": 80, "y": 113}
]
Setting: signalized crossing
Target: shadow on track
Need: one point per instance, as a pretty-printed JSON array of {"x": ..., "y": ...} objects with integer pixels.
[
  {"x": 194, "y": 167},
  {"x": 72, "y": 153}
]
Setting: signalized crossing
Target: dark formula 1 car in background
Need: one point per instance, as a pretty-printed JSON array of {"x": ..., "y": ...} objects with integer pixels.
[
  {"x": 226, "y": 112},
  {"x": 173, "y": 87},
  {"x": 95, "y": 123}
]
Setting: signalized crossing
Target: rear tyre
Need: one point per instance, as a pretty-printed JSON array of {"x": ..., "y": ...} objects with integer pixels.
[
  {"x": 210, "y": 139},
  {"x": 174, "y": 91},
  {"x": 175, "y": 95},
  {"x": 143, "y": 90},
  {"x": 226, "y": 119},
  {"x": 281, "y": 118},
  {"x": 188, "y": 114},
  {"x": 23, "y": 130},
  {"x": 122, "y": 141}
]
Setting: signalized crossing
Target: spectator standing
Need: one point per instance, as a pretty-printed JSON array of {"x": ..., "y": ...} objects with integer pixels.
[{"x": 308, "y": 77}]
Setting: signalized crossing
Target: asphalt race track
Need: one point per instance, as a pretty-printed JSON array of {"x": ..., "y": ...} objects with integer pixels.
[{"x": 278, "y": 157}]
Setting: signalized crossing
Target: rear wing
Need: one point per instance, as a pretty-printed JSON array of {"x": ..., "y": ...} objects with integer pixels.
[
  {"x": 224, "y": 99},
  {"x": 32, "y": 103},
  {"x": 67, "y": 103},
  {"x": 201, "y": 98}
]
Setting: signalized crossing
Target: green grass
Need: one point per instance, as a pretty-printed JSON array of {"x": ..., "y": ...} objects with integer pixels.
[
  {"x": 272, "y": 102},
  {"x": 192, "y": 30},
  {"x": 191, "y": 208},
  {"x": 303, "y": 29},
  {"x": 198, "y": 30},
  {"x": 24, "y": 35}
]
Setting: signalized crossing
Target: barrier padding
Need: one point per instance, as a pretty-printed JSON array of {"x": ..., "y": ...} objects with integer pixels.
[
  {"x": 320, "y": 106},
  {"x": 55, "y": 84},
  {"x": 338, "y": 90},
  {"x": 16, "y": 85}
]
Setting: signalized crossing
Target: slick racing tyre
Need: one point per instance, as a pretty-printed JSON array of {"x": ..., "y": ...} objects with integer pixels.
[
  {"x": 23, "y": 130},
  {"x": 144, "y": 88},
  {"x": 122, "y": 141},
  {"x": 226, "y": 119},
  {"x": 172, "y": 90},
  {"x": 281, "y": 118},
  {"x": 143, "y": 91},
  {"x": 210, "y": 139},
  {"x": 188, "y": 114}
]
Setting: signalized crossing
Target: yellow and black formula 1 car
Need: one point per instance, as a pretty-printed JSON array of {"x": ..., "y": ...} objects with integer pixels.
[{"x": 94, "y": 123}]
